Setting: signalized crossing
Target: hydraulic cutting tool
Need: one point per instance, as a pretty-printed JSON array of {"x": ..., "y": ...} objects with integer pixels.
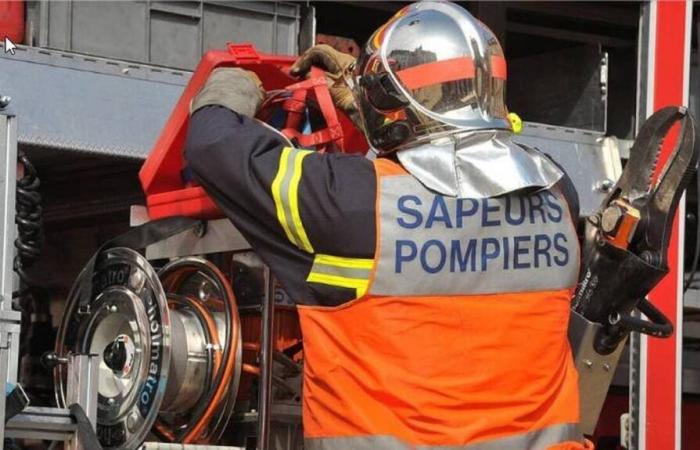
[{"x": 625, "y": 255}]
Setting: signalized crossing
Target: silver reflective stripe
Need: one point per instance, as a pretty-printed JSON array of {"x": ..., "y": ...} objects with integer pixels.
[
  {"x": 535, "y": 440},
  {"x": 285, "y": 193},
  {"x": 356, "y": 443},
  {"x": 432, "y": 244}
]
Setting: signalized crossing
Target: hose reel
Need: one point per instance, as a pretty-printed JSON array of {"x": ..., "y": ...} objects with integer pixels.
[{"x": 170, "y": 347}]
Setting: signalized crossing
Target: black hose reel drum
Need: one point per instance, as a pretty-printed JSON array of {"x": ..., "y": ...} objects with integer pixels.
[{"x": 169, "y": 347}]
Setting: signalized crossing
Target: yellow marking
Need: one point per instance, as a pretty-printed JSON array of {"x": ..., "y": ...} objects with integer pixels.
[
  {"x": 339, "y": 261},
  {"x": 516, "y": 122},
  {"x": 294, "y": 201},
  {"x": 360, "y": 286}
]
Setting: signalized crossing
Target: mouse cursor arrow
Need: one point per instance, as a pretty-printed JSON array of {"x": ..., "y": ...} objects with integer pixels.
[{"x": 9, "y": 46}]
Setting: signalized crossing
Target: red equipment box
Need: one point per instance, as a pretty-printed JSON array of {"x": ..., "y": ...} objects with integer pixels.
[{"x": 168, "y": 193}]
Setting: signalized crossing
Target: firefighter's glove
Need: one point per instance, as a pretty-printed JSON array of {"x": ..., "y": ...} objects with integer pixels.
[
  {"x": 236, "y": 89},
  {"x": 338, "y": 67}
]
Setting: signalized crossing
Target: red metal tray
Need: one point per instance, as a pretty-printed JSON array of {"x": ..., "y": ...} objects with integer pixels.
[{"x": 167, "y": 194}]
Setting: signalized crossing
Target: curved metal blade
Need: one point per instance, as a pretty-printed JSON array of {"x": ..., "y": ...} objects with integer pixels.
[
  {"x": 666, "y": 194},
  {"x": 636, "y": 179}
]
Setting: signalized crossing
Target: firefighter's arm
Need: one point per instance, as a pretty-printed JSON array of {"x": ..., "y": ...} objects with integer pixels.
[{"x": 290, "y": 204}]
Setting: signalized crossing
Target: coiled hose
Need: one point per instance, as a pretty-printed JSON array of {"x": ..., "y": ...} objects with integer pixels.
[{"x": 30, "y": 227}]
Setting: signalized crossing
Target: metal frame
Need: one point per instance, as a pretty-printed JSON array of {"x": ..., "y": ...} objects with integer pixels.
[
  {"x": 46, "y": 423},
  {"x": 596, "y": 371},
  {"x": 266, "y": 350},
  {"x": 9, "y": 319},
  {"x": 656, "y": 364},
  {"x": 56, "y": 424}
]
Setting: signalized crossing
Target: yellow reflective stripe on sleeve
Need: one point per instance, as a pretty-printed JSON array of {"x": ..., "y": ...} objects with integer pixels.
[
  {"x": 294, "y": 201},
  {"x": 339, "y": 271},
  {"x": 360, "y": 286},
  {"x": 341, "y": 261},
  {"x": 285, "y": 193}
]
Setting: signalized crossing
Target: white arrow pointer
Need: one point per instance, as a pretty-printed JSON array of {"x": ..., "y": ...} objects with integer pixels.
[{"x": 9, "y": 46}]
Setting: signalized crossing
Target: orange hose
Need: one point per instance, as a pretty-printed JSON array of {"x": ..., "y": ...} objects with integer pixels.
[
  {"x": 195, "y": 432},
  {"x": 252, "y": 346},
  {"x": 163, "y": 429},
  {"x": 251, "y": 369},
  {"x": 216, "y": 302}
]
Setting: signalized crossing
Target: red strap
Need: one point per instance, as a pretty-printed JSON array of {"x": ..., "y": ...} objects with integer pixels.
[
  {"x": 499, "y": 68},
  {"x": 316, "y": 139},
  {"x": 333, "y": 131},
  {"x": 325, "y": 104},
  {"x": 295, "y": 106},
  {"x": 447, "y": 70},
  {"x": 296, "y": 103},
  {"x": 308, "y": 83}
]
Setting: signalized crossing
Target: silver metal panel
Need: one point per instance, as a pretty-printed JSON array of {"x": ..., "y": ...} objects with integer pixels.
[
  {"x": 82, "y": 388},
  {"x": 590, "y": 159},
  {"x": 74, "y": 102},
  {"x": 9, "y": 319},
  {"x": 8, "y": 181},
  {"x": 266, "y": 350},
  {"x": 171, "y": 33},
  {"x": 41, "y": 423},
  {"x": 691, "y": 299},
  {"x": 595, "y": 370}
]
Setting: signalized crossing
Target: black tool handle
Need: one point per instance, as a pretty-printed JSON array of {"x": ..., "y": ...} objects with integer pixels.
[
  {"x": 658, "y": 324},
  {"x": 621, "y": 325}
]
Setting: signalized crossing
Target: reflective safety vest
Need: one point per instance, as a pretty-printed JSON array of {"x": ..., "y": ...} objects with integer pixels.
[{"x": 458, "y": 337}]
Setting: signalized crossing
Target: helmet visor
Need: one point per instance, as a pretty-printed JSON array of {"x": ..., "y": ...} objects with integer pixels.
[{"x": 450, "y": 69}]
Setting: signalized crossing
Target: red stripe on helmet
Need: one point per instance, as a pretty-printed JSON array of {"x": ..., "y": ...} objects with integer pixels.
[
  {"x": 498, "y": 67},
  {"x": 454, "y": 69},
  {"x": 437, "y": 72}
]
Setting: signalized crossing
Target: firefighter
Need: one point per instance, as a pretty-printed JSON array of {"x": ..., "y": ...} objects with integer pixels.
[{"x": 433, "y": 283}]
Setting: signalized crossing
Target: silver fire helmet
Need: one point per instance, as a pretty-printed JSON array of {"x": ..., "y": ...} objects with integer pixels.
[{"x": 431, "y": 70}]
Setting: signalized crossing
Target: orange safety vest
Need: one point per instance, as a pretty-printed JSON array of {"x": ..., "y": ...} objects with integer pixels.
[{"x": 459, "y": 340}]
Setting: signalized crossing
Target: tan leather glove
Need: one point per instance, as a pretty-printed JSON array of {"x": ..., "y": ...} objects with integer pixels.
[
  {"x": 236, "y": 89},
  {"x": 337, "y": 66}
]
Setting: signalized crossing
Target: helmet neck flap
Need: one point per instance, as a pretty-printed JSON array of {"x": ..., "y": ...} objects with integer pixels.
[{"x": 430, "y": 85}]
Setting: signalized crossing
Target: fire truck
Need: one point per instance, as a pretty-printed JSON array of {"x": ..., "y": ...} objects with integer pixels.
[{"x": 191, "y": 341}]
